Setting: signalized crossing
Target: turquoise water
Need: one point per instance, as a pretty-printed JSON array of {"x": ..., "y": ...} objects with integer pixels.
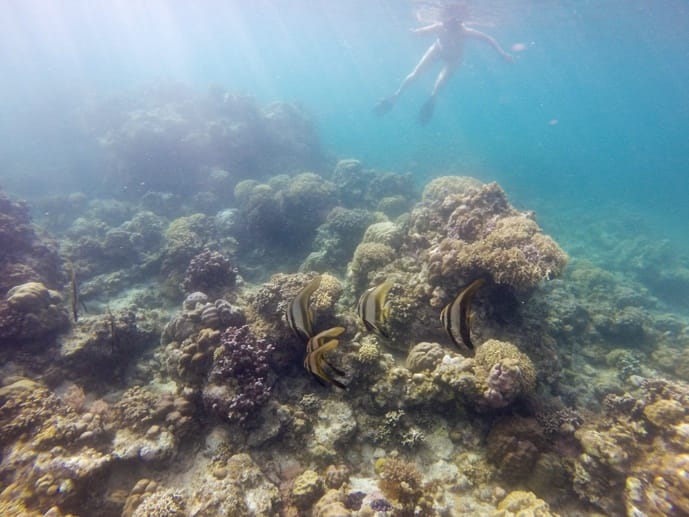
[
  {"x": 125, "y": 125},
  {"x": 588, "y": 123}
]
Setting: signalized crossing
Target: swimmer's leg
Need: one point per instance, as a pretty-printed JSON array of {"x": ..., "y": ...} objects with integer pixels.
[
  {"x": 386, "y": 104},
  {"x": 426, "y": 112}
]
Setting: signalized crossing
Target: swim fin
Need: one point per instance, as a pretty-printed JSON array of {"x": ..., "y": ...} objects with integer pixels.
[
  {"x": 383, "y": 106},
  {"x": 426, "y": 112}
]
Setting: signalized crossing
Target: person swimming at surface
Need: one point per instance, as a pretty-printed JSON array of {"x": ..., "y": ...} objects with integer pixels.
[{"x": 448, "y": 47}]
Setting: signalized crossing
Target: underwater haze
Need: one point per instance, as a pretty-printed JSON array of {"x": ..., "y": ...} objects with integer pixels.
[
  {"x": 591, "y": 118},
  {"x": 241, "y": 275}
]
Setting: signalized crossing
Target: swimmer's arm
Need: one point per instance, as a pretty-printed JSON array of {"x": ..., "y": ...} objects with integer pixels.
[
  {"x": 428, "y": 29},
  {"x": 473, "y": 33}
]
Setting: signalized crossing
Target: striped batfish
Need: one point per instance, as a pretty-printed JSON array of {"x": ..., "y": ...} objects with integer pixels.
[
  {"x": 316, "y": 349},
  {"x": 374, "y": 310},
  {"x": 299, "y": 314},
  {"x": 455, "y": 316}
]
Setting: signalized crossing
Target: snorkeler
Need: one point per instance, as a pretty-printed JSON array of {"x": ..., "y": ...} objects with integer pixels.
[{"x": 448, "y": 47}]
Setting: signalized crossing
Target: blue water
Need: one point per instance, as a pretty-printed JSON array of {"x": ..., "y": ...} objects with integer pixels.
[{"x": 588, "y": 124}]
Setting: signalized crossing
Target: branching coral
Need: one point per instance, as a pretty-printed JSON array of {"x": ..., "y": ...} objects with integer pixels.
[
  {"x": 238, "y": 380},
  {"x": 209, "y": 271},
  {"x": 400, "y": 480}
]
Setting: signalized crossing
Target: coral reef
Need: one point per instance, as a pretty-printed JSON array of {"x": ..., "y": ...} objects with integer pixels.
[
  {"x": 180, "y": 389},
  {"x": 507, "y": 373},
  {"x": 209, "y": 271},
  {"x": 369, "y": 257},
  {"x": 337, "y": 238},
  {"x": 514, "y": 445},
  {"x": 25, "y": 254},
  {"x": 185, "y": 238},
  {"x": 170, "y": 139},
  {"x": 519, "y": 503},
  {"x": 238, "y": 379},
  {"x": 635, "y": 459},
  {"x": 370, "y": 189},
  {"x": 485, "y": 235},
  {"x": 100, "y": 347},
  {"x": 281, "y": 215},
  {"x": 31, "y": 311},
  {"x": 55, "y": 461}
]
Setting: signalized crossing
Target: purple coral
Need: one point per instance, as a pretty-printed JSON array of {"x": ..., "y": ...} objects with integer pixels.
[
  {"x": 504, "y": 384},
  {"x": 238, "y": 380},
  {"x": 209, "y": 270}
]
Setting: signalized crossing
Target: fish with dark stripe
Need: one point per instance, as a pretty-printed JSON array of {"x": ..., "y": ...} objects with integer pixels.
[
  {"x": 455, "y": 317},
  {"x": 374, "y": 309},
  {"x": 299, "y": 314},
  {"x": 315, "y": 360}
]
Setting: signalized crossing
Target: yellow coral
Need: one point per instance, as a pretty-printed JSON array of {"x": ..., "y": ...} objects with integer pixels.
[
  {"x": 664, "y": 412},
  {"x": 400, "y": 480},
  {"x": 328, "y": 292},
  {"x": 523, "y": 504},
  {"x": 28, "y": 297},
  {"x": 494, "y": 351},
  {"x": 368, "y": 351},
  {"x": 307, "y": 489}
]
